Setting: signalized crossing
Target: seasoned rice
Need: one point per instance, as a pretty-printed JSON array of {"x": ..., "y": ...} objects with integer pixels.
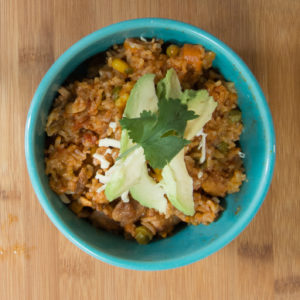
[{"x": 88, "y": 110}]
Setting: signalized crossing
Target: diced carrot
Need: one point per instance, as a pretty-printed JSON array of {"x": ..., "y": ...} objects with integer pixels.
[{"x": 193, "y": 54}]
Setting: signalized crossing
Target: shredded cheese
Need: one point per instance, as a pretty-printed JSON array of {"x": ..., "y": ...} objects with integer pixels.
[
  {"x": 113, "y": 125},
  {"x": 108, "y": 151},
  {"x": 106, "y": 142},
  {"x": 69, "y": 193},
  {"x": 241, "y": 154},
  {"x": 200, "y": 174},
  {"x": 103, "y": 162},
  {"x": 101, "y": 188},
  {"x": 215, "y": 199},
  {"x": 64, "y": 199},
  {"x": 102, "y": 178},
  {"x": 202, "y": 145},
  {"x": 106, "y": 178},
  {"x": 125, "y": 197}
]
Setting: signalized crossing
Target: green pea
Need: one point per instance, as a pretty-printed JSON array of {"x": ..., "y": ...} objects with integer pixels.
[
  {"x": 143, "y": 235},
  {"x": 115, "y": 92},
  {"x": 172, "y": 51},
  {"x": 222, "y": 147},
  {"x": 235, "y": 115},
  {"x": 129, "y": 71}
]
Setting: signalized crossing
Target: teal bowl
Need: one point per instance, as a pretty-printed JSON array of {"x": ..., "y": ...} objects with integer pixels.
[{"x": 191, "y": 243}]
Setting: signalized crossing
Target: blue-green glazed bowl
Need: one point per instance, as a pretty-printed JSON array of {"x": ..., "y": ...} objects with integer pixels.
[{"x": 193, "y": 242}]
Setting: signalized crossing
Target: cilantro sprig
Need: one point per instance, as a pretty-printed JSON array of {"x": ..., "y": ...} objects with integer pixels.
[{"x": 161, "y": 133}]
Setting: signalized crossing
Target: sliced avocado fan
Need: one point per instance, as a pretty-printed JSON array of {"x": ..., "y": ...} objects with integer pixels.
[{"x": 131, "y": 171}]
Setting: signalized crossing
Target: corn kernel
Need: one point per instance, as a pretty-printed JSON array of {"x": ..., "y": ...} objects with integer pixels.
[
  {"x": 122, "y": 100},
  {"x": 120, "y": 66},
  {"x": 119, "y": 103},
  {"x": 158, "y": 175},
  {"x": 128, "y": 86},
  {"x": 124, "y": 97}
]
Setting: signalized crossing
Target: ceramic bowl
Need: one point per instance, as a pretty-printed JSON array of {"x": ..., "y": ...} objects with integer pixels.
[{"x": 191, "y": 243}]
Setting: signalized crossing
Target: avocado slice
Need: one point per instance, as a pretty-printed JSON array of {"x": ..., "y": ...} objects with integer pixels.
[
  {"x": 131, "y": 172},
  {"x": 176, "y": 181},
  {"x": 144, "y": 89},
  {"x": 148, "y": 193},
  {"x": 178, "y": 184},
  {"x": 125, "y": 142},
  {"x": 204, "y": 106},
  {"x": 169, "y": 87},
  {"x": 125, "y": 173},
  {"x": 142, "y": 97}
]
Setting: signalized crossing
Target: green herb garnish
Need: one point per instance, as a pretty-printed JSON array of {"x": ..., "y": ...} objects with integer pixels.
[{"x": 160, "y": 134}]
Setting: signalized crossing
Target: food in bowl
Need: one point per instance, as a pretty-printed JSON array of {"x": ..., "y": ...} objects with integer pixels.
[{"x": 148, "y": 143}]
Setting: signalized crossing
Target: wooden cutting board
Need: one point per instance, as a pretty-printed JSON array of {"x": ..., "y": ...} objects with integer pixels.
[{"x": 37, "y": 262}]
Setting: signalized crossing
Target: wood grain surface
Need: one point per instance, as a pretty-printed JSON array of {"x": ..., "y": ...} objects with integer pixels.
[{"x": 38, "y": 262}]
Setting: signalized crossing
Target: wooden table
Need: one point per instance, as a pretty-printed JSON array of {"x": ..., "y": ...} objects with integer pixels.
[{"x": 38, "y": 262}]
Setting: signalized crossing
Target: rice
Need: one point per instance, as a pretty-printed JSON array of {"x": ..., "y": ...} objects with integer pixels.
[{"x": 84, "y": 139}]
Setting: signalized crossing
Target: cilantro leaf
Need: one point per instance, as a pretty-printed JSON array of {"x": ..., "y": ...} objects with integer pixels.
[
  {"x": 160, "y": 134},
  {"x": 159, "y": 152},
  {"x": 173, "y": 115}
]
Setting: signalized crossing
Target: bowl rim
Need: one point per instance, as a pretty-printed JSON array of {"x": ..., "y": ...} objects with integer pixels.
[{"x": 219, "y": 242}]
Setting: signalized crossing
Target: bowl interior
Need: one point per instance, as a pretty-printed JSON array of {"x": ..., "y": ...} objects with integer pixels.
[{"x": 192, "y": 242}]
